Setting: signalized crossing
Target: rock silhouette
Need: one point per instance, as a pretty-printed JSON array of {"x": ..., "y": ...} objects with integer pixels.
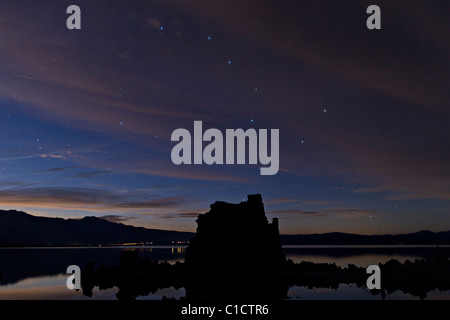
[
  {"x": 236, "y": 255},
  {"x": 236, "y": 237}
]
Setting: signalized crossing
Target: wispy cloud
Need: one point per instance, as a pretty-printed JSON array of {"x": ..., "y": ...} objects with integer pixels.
[
  {"x": 116, "y": 218},
  {"x": 327, "y": 46},
  {"x": 58, "y": 169},
  {"x": 92, "y": 173},
  {"x": 171, "y": 202},
  {"x": 53, "y": 156},
  {"x": 342, "y": 213},
  {"x": 73, "y": 198},
  {"x": 31, "y": 156},
  {"x": 184, "y": 213},
  {"x": 349, "y": 213},
  {"x": 316, "y": 202},
  {"x": 294, "y": 212},
  {"x": 188, "y": 172},
  {"x": 280, "y": 200}
]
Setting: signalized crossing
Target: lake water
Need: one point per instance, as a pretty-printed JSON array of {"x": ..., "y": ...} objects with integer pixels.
[{"x": 39, "y": 273}]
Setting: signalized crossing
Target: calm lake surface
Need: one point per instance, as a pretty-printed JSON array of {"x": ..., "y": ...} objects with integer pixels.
[{"x": 39, "y": 273}]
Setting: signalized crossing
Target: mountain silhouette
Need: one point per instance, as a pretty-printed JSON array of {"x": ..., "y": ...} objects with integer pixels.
[
  {"x": 21, "y": 229},
  {"x": 18, "y": 228},
  {"x": 424, "y": 237}
]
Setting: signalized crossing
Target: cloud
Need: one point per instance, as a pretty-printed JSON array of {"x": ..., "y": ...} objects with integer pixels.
[
  {"x": 58, "y": 169},
  {"x": 53, "y": 156},
  {"x": 124, "y": 56},
  {"x": 116, "y": 218},
  {"x": 342, "y": 46},
  {"x": 189, "y": 215},
  {"x": 316, "y": 202},
  {"x": 384, "y": 92},
  {"x": 13, "y": 184},
  {"x": 349, "y": 213},
  {"x": 189, "y": 172},
  {"x": 92, "y": 199},
  {"x": 152, "y": 24},
  {"x": 280, "y": 200},
  {"x": 342, "y": 213},
  {"x": 92, "y": 173},
  {"x": 390, "y": 132},
  {"x": 170, "y": 202},
  {"x": 295, "y": 212},
  {"x": 69, "y": 196},
  {"x": 31, "y": 156},
  {"x": 183, "y": 213}
]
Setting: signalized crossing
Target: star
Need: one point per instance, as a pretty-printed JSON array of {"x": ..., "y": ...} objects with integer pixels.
[
  {"x": 229, "y": 61},
  {"x": 209, "y": 37}
]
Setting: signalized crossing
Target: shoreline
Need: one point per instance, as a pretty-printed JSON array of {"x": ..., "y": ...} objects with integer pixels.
[{"x": 287, "y": 246}]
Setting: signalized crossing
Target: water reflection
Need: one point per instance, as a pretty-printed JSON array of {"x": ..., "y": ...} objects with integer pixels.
[
  {"x": 54, "y": 288},
  {"x": 38, "y": 273},
  {"x": 21, "y": 263},
  {"x": 362, "y": 256},
  {"x": 352, "y": 292},
  {"x": 179, "y": 251}
]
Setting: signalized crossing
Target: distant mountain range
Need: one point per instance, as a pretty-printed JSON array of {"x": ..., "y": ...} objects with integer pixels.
[
  {"x": 21, "y": 229},
  {"x": 336, "y": 238}
]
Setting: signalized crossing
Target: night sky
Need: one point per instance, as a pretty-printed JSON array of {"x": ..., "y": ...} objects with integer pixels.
[{"x": 86, "y": 116}]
